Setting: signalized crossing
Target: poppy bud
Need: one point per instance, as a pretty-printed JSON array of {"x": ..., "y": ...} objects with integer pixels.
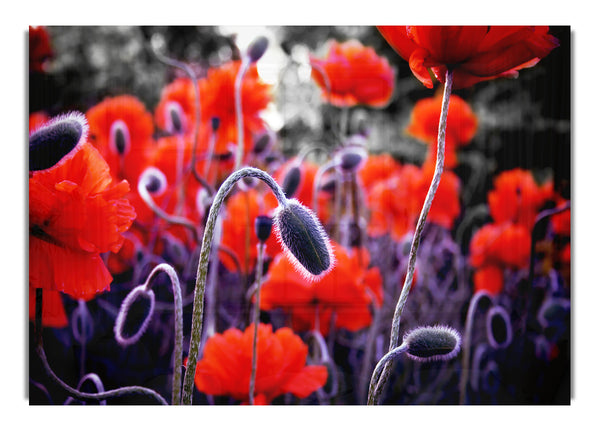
[
  {"x": 432, "y": 343},
  {"x": 291, "y": 181},
  {"x": 215, "y": 122},
  {"x": 498, "y": 328},
  {"x": 154, "y": 180},
  {"x": 262, "y": 143},
  {"x": 303, "y": 238},
  {"x": 257, "y": 48},
  {"x": 119, "y": 138},
  {"x": 55, "y": 139},
  {"x": 140, "y": 291},
  {"x": 351, "y": 158},
  {"x": 174, "y": 118},
  {"x": 263, "y": 225}
]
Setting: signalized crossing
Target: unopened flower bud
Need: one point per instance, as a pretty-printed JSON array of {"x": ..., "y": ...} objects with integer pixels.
[
  {"x": 303, "y": 238},
  {"x": 351, "y": 158},
  {"x": 257, "y": 48},
  {"x": 55, "y": 139},
  {"x": 215, "y": 122},
  {"x": 119, "y": 140},
  {"x": 498, "y": 328},
  {"x": 263, "y": 225},
  {"x": 174, "y": 118},
  {"x": 262, "y": 143},
  {"x": 291, "y": 181},
  {"x": 432, "y": 343}
]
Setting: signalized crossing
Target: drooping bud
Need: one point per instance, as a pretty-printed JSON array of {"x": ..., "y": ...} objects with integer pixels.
[
  {"x": 257, "y": 48},
  {"x": 55, "y": 139},
  {"x": 432, "y": 343},
  {"x": 153, "y": 180},
  {"x": 498, "y": 327},
  {"x": 119, "y": 139},
  {"x": 291, "y": 181},
  {"x": 303, "y": 239},
  {"x": 263, "y": 225}
]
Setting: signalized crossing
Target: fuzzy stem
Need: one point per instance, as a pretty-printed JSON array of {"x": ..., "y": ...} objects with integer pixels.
[
  {"x": 128, "y": 390},
  {"x": 467, "y": 344},
  {"x": 238, "y": 111},
  {"x": 198, "y": 308},
  {"x": 375, "y": 391},
  {"x": 256, "y": 318},
  {"x": 383, "y": 362}
]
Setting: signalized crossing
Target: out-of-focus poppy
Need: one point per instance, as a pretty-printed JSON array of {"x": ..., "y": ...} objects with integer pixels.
[
  {"x": 226, "y": 365},
  {"x": 352, "y": 74},
  {"x": 377, "y": 168},
  {"x": 345, "y": 294},
  {"x": 76, "y": 212},
  {"x": 473, "y": 53},
  {"x": 561, "y": 222},
  {"x": 121, "y": 129},
  {"x": 217, "y": 95},
  {"x": 176, "y": 109},
  {"x": 489, "y": 278},
  {"x": 37, "y": 119},
  {"x": 461, "y": 125},
  {"x": 238, "y": 233},
  {"x": 516, "y": 198},
  {"x": 505, "y": 245},
  {"x": 53, "y": 310},
  {"x": 40, "y": 49}
]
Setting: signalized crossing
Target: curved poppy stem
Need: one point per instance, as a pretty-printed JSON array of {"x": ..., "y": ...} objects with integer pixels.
[
  {"x": 256, "y": 318},
  {"x": 119, "y": 392},
  {"x": 198, "y": 308},
  {"x": 375, "y": 390},
  {"x": 383, "y": 362},
  {"x": 466, "y": 355}
]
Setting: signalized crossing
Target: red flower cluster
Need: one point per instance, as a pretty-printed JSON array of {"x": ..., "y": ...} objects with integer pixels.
[
  {"x": 473, "y": 53},
  {"x": 506, "y": 243},
  {"x": 352, "y": 74},
  {"x": 461, "y": 126},
  {"x": 76, "y": 212},
  {"x": 395, "y": 195},
  {"x": 281, "y": 357},
  {"x": 345, "y": 294}
]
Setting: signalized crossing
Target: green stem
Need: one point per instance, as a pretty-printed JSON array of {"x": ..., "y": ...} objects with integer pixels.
[
  {"x": 198, "y": 308},
  {"x": 375, "y": 390}
]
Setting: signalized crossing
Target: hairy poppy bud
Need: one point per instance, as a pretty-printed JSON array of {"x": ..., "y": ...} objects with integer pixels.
[
  {"x": 262, "y": 143},
  {"x": 498, "y": 328},
  {"x": 119, "y": 141},
  {"x": 124, "y": 311},
  {"x": 215, "y": 122},
  {"x": 174, "y": 118},
  {"x": 291, "y": 181},
  {"x": 56, "y": 139},
  {"x": 432, "y": 343},
  {"x": 303, "y": 238},
  {"x": 153, "y": 180},
  {"x": 257, "y": 48},
  {"x": 351, "y": 158},
  {"x": 263, "y": 226}
]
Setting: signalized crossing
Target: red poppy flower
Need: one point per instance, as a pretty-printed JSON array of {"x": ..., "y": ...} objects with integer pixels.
[
  {"x": 348, "y": 290},
  {"x": 40, "y": 50},
  {"x": 76, "y": 212},
  {"x": 474, "y": 53},
  {"x": 489, "y": 278},
  {"x": 378, "y": 168},
  {"x": 516, "y": 198},
  {"x": 461, "y": 125},
  {"x": 121, "y": 129},
  {"x": 281, "y": 365},
  {"x": 238, "y": 233},
  {"x": 352, "y": 74},
  {"x": 176, "y": 99},
  {"x": 501, "y": 244},
  {"x": 217, "y": 95},
  {"x": 561, "y": 222}
]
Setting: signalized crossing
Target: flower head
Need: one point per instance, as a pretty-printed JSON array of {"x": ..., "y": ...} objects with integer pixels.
[
  {"x": 121, "y": 129},
  {"x": 281, "y": 365},
  {"x": 432, "y": 343},
  {"x": 473, "y": 53},
  {"x": 76, "y": 212},
  {"x": 175, "y": 111},
  {"x": 349, "y": 290},
  {"x": 353, "y": 74}
]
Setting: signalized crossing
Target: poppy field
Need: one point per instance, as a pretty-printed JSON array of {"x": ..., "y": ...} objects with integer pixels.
[{"x": 299, "y": 215}]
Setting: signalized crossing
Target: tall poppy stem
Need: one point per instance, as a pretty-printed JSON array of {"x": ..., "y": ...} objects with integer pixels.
[
  {"x": 256, "y": 318},
  {"x": 375, "y": 390},
  {"x": 198, "y": 308}
]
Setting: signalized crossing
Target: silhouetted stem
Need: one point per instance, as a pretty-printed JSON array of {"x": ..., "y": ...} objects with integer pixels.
[
  {"x": 198, "y": 308},
  {"x": 375, "y": 390}
]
